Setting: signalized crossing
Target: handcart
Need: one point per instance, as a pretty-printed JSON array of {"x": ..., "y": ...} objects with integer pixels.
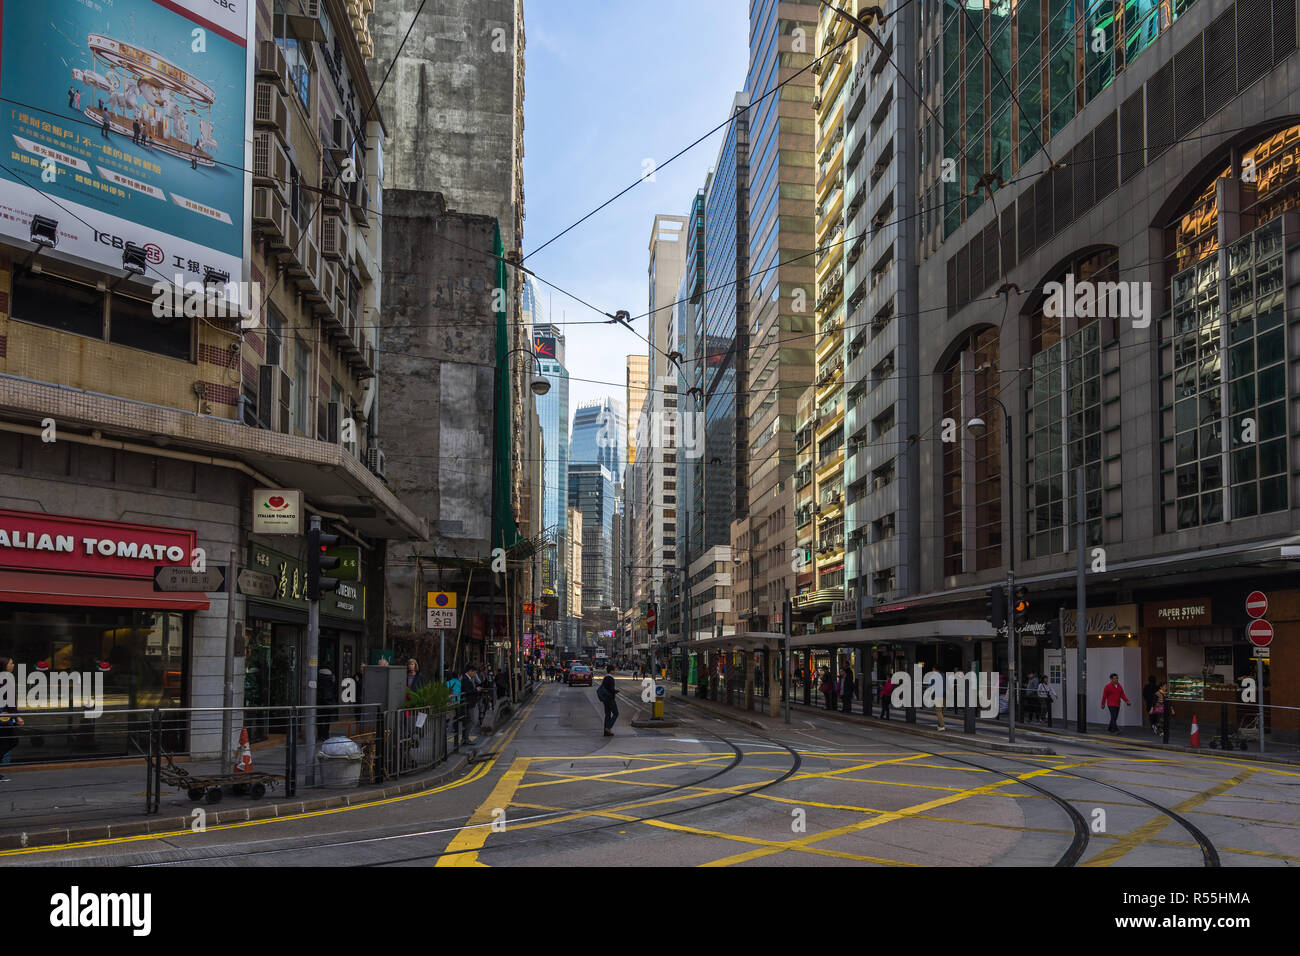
[{"x": 209, "y": 787}]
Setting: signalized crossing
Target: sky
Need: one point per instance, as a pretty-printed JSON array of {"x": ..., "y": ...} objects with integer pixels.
[{"x": 608, "y": 86}]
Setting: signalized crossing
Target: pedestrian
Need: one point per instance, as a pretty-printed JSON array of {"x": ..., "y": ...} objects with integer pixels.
[
  {"x": 1111, "y": 695},
  {"x": 1149, "y": 699},
  {"x": 469, "y": 694},
  {"x": 9, "y": 722},
  {"x": 502, "y": 683},
  {"x": 1161, "y": 708},
  {"x": 847, "y": 688},
  {"x": 608, "y": 696},
  {"x": 414, "y": 679},
  {"x": 886, "y": 692},
  {"x": 1029, "y": 700},
  {"x": 1045, "y": 698},
  {"x": 828, "y": 688},
  {"x": 939, "y": 702}
]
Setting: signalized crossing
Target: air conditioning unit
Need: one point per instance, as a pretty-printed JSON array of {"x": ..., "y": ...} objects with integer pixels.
[
  {"x": 291, "y": 257},
  {"x": 309, "y": 278},
  {"x": 270, "y": 162},
  {"x": 270, "y": 109},
  {"x": 375, "y": 461},
  {"x": 331, "y": 200},
  {"x": 327, "y": 287},
  {"x": 270, "y": 215},
  {"x": 333, "y": 238},
  {"x": 274, "y": 394},
  {"x": 304, "y": 17},
  {"x": 271, "y": 64}
]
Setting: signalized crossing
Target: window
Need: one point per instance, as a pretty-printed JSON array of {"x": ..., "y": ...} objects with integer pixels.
[
  {"x": 274, "y": 335},
  {"x": 132, "y": 323},
  {"x": 296, "y": 53},
  {"x": 301, "y": 376},
  {"x": 972, "y": 466},
  {"x": 62, "y": 304}
]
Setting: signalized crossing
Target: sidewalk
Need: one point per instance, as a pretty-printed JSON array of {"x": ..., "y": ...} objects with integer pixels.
[
  {"x": 54, "y": 804},
  {"x": 1032, "y": 738}
]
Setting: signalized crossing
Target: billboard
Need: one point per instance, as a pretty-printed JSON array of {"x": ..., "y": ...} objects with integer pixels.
[
  {"x": 544, "y": 346},
  {"x": 129, "y": 121}
]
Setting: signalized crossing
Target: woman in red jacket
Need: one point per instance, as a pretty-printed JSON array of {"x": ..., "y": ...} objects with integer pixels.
[{"x": 1111, "y": 695}]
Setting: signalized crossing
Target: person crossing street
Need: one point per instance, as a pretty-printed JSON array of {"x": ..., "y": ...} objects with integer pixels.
[{"x": 607, "y": 694}]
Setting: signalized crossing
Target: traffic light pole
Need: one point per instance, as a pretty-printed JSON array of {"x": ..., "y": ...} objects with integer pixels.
[
  {"x": 1011, "y": 576},
  {"x": 317, "y": 543}
]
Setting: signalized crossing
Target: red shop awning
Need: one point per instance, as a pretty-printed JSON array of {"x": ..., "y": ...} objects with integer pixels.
[{"x": 27, "y": 587}]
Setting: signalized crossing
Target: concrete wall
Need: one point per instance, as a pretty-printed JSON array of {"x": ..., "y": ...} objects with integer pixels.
[{"x": 435, "y": 398}]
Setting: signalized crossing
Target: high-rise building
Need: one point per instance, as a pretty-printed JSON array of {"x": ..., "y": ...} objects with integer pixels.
[
  {"x": 782, "y": 183},
  {"x": 597, "y": 437},
  {"x": 638, "y": 381},
  {"x": 1110, "y": 266},
  {"x": 591, "y": 492},
  {"x": 553, "y": 411}
]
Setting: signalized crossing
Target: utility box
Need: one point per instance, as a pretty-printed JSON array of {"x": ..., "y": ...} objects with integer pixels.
[{"x": 385, "y": 686}]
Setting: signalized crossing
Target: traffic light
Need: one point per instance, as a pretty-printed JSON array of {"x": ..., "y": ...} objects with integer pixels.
[
  {"x": 1022, "y": 606},
  {"x": 997, "y": 615},
  {"x": 1052, "y": 635},
  {"x": 317, "y": 561}
]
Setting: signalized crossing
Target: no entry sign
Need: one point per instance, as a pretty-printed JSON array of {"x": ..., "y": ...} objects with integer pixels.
[
  {"x": 1260, "y": 633},
  {"x": 1257, "y": 604}
]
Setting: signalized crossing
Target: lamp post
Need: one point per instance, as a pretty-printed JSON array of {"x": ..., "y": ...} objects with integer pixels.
[{"x": 977, "y": 427}]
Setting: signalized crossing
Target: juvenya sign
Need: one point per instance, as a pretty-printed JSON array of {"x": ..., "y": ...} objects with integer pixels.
[{"x": 290, "y": 574}]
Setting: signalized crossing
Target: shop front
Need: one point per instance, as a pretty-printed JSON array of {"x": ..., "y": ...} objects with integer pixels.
[
  {"x": 1113, "y": 646},
  {"x": 77, "y": 600},
  {"x": 275, "y": 635}
]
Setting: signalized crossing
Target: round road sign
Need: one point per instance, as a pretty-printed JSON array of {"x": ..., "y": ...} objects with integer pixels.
[
  {"x": 1260, "y": 633},
  {"x": 1257, "y": 604}
]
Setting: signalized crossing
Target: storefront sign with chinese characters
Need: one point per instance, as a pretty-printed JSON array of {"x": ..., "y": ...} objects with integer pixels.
[
  {"x": 348, "y": 600},
  {"x": 1187, "y": 613}
]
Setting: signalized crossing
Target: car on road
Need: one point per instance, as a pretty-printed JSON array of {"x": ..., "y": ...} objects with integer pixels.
[{"x": 578, "y": 674}]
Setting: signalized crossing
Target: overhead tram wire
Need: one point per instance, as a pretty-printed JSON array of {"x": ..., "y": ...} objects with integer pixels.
[{"x": 687, "y": 148}]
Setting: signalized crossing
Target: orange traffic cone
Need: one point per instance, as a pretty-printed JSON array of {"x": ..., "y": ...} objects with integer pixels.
[
  {"x": 1196, "y": 732},
  {"x": 244, "y": 762}
]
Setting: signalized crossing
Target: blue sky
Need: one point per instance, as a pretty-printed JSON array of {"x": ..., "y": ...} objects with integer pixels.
[{"x": 608, "y": 85}]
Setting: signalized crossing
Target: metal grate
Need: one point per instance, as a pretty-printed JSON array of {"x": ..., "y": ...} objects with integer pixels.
[
  {"x": 1063, "y": 197},
  {"x": 1043, "y": 209},
  {"x": 1254, "y": 41},
  {"x": 963, "y": 276},
  {"x": 1220, "y": 61},
  {"x": 1284, "y": 38},
  {"x": 1025, "y": 220},
  {"x": 1130, "y": 132},
  {"x": 1009, "y": 237},
  {"x": 1160, "y": 111},
  {"x": 975, "y": 262},
  {"x": 952, "y": 286},
  {"x": 1189, "y": 88},
  {"x": 1081, "y": 168},
  {"x": 990, "y": 254}
]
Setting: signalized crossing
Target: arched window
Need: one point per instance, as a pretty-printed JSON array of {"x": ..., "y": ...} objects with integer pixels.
[
  {"x": 1224, "y": 387},
  {"x": 1063, "y": 406},
  {"x": 972, "y": 467}
]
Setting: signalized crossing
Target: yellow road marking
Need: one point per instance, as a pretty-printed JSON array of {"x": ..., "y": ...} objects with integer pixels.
[
  {"x": 474, "y": 775},
  {"x": 466, "y": 844},
  {"x": 888, "y": 816},
  {"x": 1135, "y": 838}
]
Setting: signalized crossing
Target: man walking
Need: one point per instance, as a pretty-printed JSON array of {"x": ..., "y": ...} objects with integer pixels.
[
  {"x": 1029, "y": 701},
  {"x": 1111, "y": 695},
  {"x": 607, "y": 693}
]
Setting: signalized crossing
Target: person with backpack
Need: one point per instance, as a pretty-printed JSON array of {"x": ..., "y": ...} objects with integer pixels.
[{"x": 607, "y": 694}]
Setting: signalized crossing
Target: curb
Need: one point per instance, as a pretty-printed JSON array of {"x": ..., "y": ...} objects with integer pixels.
[{"x": 66, "y": 835}]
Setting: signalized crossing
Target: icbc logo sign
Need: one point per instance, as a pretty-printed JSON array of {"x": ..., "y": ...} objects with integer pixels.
[{"x": 152, "y": 251}]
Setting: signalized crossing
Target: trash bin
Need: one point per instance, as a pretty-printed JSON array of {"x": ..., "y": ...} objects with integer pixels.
[{"x": 340, "y": 761}]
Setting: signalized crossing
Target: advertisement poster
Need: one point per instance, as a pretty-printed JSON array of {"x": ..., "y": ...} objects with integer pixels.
[{"x": 129, "y": 121}]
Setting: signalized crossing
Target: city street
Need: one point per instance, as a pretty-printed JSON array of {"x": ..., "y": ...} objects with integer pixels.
[{"x": 714, "y": 792}]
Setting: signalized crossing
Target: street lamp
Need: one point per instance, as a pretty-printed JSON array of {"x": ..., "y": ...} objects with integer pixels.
[{"x": 978, "y": 428}]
